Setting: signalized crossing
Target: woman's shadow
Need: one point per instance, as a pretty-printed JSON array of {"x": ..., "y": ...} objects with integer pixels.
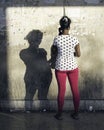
[{"x": 38, "y": 73}]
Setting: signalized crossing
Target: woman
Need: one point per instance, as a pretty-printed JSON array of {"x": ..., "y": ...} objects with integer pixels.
[{"x": 67, "y": 48}]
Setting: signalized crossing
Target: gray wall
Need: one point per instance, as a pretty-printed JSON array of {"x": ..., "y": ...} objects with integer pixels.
[{"x": 18, "y": 19}]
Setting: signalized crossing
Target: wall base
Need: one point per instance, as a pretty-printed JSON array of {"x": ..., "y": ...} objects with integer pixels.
[{"x": 18, "y": 105}]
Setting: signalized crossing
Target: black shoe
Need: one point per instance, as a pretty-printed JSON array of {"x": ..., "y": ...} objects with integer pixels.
[
  {"x": 75, "y": 115},
  {"x": 58, "y": 116}
]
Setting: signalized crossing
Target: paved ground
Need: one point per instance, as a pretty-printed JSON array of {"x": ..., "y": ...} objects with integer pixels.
[{"x": 46, "y": 121}]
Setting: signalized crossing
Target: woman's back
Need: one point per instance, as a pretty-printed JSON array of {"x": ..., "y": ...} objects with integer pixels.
[{"x": 65, "y": 59}]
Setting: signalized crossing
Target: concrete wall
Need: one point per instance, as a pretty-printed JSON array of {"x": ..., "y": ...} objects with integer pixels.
[{"x": 19, "y": 19}]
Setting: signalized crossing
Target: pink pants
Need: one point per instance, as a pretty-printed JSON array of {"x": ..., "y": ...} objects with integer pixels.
[{"x": 73, "y": 80}]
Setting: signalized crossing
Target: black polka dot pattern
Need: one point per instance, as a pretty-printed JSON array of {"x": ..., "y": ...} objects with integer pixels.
[{"x": 65, "y": 59}]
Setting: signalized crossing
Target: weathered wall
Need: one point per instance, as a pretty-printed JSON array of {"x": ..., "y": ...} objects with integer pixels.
[{"x": 17, "y": 22}]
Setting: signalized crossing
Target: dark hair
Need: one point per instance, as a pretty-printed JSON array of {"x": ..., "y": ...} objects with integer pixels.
[{"x": 64, "y": 24}]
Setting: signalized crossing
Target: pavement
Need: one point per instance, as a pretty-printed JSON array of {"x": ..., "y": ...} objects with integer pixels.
[{"x": 46, "y": 121}]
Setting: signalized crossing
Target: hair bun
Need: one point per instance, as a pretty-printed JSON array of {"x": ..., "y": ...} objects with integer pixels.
[
  {"x": 65, "y": 19},
  {"x": 65, "y": 22}
]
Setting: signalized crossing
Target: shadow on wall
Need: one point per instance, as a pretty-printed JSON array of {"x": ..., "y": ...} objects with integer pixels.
[{"x": 38, "y": 73}]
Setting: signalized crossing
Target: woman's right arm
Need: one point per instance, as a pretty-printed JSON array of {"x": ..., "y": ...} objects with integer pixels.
[{"x": 77, "y": 52}]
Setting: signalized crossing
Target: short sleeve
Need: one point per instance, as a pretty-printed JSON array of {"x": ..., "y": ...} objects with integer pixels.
[{"x": 75, "y": 41}]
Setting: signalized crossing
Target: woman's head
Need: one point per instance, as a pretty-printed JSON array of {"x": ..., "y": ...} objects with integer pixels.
[{"x": 64, "y": 24}]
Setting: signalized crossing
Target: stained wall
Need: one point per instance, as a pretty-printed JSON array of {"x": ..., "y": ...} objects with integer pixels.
[{"x": 19, "y": 19}]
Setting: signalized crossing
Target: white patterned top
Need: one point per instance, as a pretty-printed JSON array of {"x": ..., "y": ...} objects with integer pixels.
[{"x": 66, "y": 47}]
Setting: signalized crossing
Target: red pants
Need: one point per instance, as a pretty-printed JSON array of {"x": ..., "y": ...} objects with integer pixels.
[{"x": 73, "y": 80}]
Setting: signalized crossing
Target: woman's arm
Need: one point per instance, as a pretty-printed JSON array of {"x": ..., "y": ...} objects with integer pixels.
[
  {"x": 53, "y": 51},
  {"x": 77, "y": 52},
  {"x": 52, "y": 60}
]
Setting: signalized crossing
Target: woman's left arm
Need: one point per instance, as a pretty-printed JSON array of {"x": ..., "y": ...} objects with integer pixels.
[{"x": 52, "y": 60}]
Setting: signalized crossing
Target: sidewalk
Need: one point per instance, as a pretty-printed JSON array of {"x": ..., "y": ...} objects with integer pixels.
[{"x": 46, "y": 121}]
